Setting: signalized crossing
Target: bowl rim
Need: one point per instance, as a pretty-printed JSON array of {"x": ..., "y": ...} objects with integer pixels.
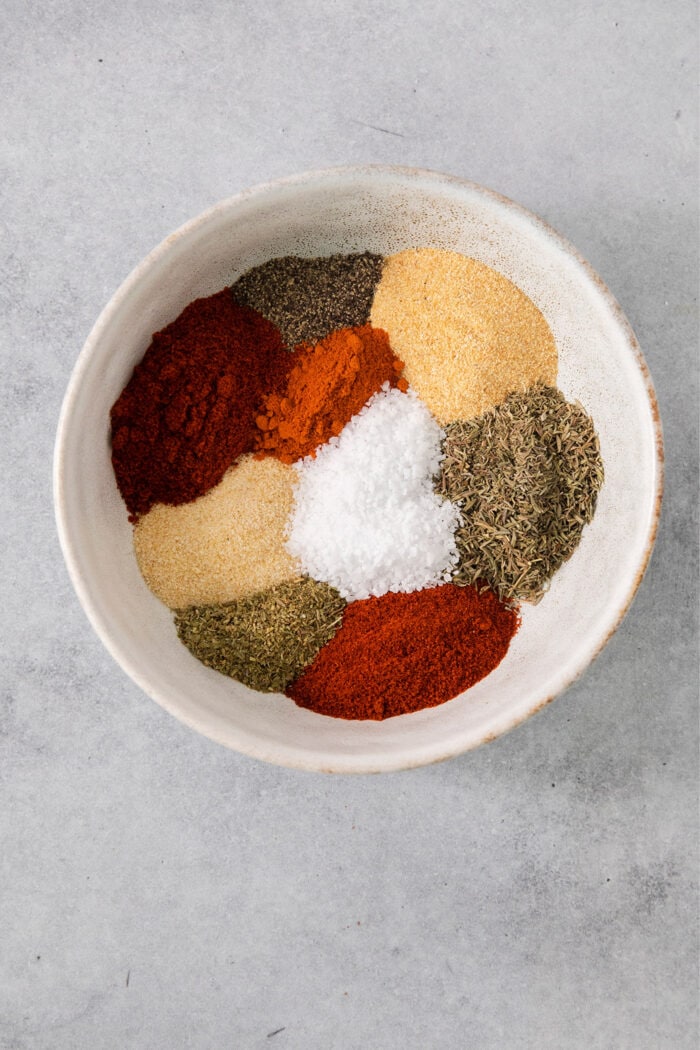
[{"x": 356, "y": 763}]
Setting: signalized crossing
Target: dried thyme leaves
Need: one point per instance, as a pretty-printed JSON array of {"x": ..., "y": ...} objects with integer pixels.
[
  {"x": 266, "y": 640},
  {"x": 526, "y": 476},
  {"x": 307, "y": 299}
]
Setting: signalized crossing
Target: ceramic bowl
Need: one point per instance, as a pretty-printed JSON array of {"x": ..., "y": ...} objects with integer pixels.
[{"x": 382, "y": 210}]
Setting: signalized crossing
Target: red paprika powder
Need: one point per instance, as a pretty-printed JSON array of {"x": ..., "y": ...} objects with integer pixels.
[
  {"x": 403, "y": 652},
  {"x": 188, "y": 411}
]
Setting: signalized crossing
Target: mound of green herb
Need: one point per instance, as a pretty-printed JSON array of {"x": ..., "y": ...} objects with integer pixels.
[
  {"x": 526, "y": 477},
  {"x": 266, "y": 640}
]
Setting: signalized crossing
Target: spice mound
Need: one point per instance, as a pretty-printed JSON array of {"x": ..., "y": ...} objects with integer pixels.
[
  {"x": 327, "y": 385},
  {"x": 526, "y": 477},
  {"x": 307, "y": 299},
  {"x": 188, "y": 410},
  {"x": 224, "y": 545},
  {"x": 266, "y": 640},
  {"x": 366, "y": 518},
  {"x": 468, "y": 335},
  {"x": 345, "y": 472},
  {"x": 402, "y": 652}
]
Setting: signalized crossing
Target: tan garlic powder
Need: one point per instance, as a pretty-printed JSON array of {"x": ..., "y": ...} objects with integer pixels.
[{"x": 225, "y": 545}]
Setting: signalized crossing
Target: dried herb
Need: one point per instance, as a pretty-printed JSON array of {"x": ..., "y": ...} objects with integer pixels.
[
  {"x": 526, "y": 477},
  {"x": 307, "y": 299},
  {"x": 266, "y": 640}
]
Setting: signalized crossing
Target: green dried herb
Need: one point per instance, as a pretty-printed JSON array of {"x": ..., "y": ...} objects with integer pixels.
[
  {"x": 309, "y": 298},
  {"x": 526, "y": 476},
  {"x": 266, "y": 640}
]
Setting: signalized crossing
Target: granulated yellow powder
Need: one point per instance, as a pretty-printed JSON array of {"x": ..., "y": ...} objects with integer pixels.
[
  {"x": 225, "y": 545},
  {"x": 467, "y": 336}
]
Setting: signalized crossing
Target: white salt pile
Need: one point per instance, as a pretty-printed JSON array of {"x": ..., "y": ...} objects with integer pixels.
[{"x": 366, "y": 518}]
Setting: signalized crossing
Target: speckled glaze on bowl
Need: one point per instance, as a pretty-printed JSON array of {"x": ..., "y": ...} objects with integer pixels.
[{"x": 385, "y": 210}]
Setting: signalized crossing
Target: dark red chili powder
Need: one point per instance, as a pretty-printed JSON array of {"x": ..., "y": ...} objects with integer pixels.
[
  {"x": 188, "y": 411},
  {"x": 402, "y": 652}
]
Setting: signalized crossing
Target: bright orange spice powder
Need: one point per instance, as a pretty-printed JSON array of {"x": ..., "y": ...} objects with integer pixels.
[{"x": 327, "y": 385}]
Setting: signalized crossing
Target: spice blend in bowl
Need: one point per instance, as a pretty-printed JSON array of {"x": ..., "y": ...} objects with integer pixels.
[
  {"x": 376, "y": 460},
  {"x": 390, "y": 584}
]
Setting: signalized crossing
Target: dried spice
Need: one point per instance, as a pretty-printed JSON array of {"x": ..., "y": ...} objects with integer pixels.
[
  {"x": 415, "y": 543},
  {"x": 188, "y": 410},
  {"x": 264, "y": 641},
  {"x": 327, "y": 385},
  {"x": 403, "y": 652},
  {"x": 526, "y": 477},
  {"x": 468, "y": 335},
  {"x": 307, "y": 299},
  {"x": 224, "y": 545}
]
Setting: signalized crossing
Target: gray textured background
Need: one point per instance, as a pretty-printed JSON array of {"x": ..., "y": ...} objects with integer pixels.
[{"x": 158, "y": 891}]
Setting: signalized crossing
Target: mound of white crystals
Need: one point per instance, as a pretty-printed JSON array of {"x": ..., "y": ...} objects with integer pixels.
[{"x": 366, "y": 518}]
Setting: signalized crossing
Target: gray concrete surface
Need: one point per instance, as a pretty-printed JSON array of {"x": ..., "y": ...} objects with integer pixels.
[{"x": 158, "y": 891}]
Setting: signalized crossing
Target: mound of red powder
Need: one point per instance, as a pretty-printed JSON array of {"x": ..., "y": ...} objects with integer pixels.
[
  {"x": 188, "y": 411},
  {"x": 402, "y": 652}
]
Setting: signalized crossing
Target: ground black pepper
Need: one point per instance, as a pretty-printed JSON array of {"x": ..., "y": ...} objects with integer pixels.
[{"x": 309, "y": 298}]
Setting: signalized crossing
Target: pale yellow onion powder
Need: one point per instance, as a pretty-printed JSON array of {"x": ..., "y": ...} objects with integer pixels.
[
  {"x": 467, "y": 335},
  {"x": 225, "y": 545}
]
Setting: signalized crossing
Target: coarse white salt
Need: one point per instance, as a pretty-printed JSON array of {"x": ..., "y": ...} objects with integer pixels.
[{"x": 366, "y": 518}]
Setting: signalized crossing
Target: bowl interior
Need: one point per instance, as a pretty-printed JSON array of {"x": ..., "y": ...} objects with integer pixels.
[{"x": 385, "y": 211}]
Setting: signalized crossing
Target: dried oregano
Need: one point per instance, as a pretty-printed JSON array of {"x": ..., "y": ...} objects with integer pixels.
[
  {"x": 266, "y": 640},
  {"x": 526, "y": 477}
]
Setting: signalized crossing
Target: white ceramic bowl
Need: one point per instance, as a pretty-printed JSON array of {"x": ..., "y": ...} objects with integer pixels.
[{"x": 383, "y": 210}]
